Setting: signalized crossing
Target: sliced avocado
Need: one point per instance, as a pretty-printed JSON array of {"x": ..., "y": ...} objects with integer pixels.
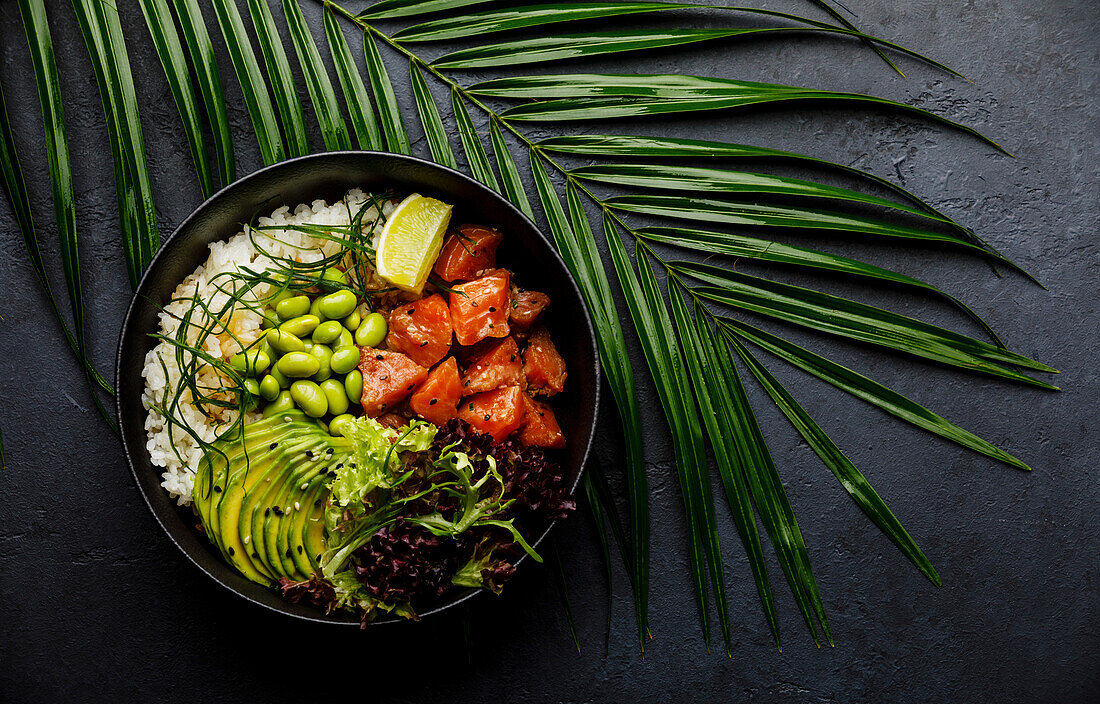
[
  {"x": 268, "y": 503},
  {"x": 290, "y": 538},
  {"x": 277, "y": 502},
  {"x": 286, "y": 494},
  {"x": 313, "y": 532}
]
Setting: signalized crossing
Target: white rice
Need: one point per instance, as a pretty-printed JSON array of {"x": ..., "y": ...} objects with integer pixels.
[{"x": 169, "y": 445}]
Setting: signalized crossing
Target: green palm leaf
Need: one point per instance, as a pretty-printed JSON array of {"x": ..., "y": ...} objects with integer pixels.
[
  {"x": 620, "y": 377},
  {"x": 393, "y": 126},
  {"x": 205, "y": 67},
  {"x": 15, "y": 189},
  {"x": 434, "y": 130},
  {"x": 37, "y": 28},
  {"x": 390, "y": 9},
  {"x": 137, "y": 214},
  {"x": 838, "y": 463},
  {"x": 604, "y": 96},
  {"x": 362, "y": 116},
  {"x": 509, "y": 174},
  {"x": 282, "y": 80},
  {"x": 476, "y": 157},
  {"x": 166, "y": 40},
  {"x": 706, "y": 382},
  {"x": 256, "y": 97},
  {"x": 868, "y": 390},
  {"x": 857, "y": 321},
  {"x": 325, "y": 105},
  {"x": 739, "y": 425},
  {"x": 779, "y": 253}
]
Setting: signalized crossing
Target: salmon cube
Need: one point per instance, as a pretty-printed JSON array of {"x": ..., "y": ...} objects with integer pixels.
[
  {"x": 527, "y": 306},
  {"x": 388, "y": 378},
  {"x": 497, "y": 413},
  {"x": 468, "y": 253},
  {"x": 421, "y": 330},
  {"x": 540, "y": 427},
  {"x": 479, "y": 308},
  {"x": 542, "y": 365},
  {"x": 436, "y": 401},
  {"x": 500, "y": 366}
]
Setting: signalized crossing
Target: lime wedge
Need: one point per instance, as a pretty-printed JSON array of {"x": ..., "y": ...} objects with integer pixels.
[{"x": 410, "y": 241}]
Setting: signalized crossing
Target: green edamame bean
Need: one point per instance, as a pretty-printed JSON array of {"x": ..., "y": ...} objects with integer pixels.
[
  {"x": 302, "y": 325},
  {"x": 250, "y": 362},
  {"x": 282, "y": 295},
  {"x": 284, "y": 341},
  {"x": 352, "y": 321},
  {"x": 309, "y": 397},
  {"x": 335, "y": 276},
  {"x": 279, "y": 377},
  {"x": 327, "y": 331},
  {"x": 344, "y": 359},
  {"x": 339, "y": 424},
  {"x": 292, "y": 307},
  {"x": 371, "y": 331},
  {"x": 298, "y": 365},
  {"x": 336, "y": 396},
  {"x": 270, "y": 319},
  {"x": 269, "y": 387},
  {"x": 353, "y": 385},
  {"x": 283, "y": 402},
  {"x": 323, "y": 353},
  {"x": 315, "y": 309},
  {"x": 345, "y": 339},
  {"x": 308, "y": 345},
  {"x": 252, "y": 386},
  {"x": 337, "y": 305}
]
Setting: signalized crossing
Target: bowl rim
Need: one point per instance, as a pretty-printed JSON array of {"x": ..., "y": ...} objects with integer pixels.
[{"x": 587, "y": 329}]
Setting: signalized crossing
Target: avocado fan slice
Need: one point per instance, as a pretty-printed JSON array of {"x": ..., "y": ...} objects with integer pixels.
[{"x": 277, "y": 522}]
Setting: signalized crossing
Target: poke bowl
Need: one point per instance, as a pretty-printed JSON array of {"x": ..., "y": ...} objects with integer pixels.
[{"x": 357, "y": 388}]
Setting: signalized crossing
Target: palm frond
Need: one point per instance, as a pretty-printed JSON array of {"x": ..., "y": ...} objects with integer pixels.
[
  {"x": 476, "y": 157},
  {"x": 333, "y": 129},
  {"x": 282, "y": 80},
  {"x": 205, "y": 67},
  {"x": 429, "y": 118},
  {"x": 393, "y": 126},
  {"x": 166, "y": 40},
  {"x": 363, "y": 120}
]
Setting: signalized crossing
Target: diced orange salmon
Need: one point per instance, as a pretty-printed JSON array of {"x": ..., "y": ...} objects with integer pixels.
[
  {"x": 467, "y": 253},
  {"x": 540, "y": 427},
  {"x": 436, "y": 401},
  {"x": 500, "y": 366},
  {"x": 421, "y": 330},
  {"x": 479, "y": 308},
  {"x": 542, "y": 365},
  {"x": 388, "y": 378},
  {"x": 497, "y": 413},
  {"x": 527, "y": 306}
]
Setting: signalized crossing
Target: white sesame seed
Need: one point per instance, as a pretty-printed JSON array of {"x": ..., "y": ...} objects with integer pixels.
[
  {"x": 247, "y": 539},
  {"x": 296, "y": 506}
]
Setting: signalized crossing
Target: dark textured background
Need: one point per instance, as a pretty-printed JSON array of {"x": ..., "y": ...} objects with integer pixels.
[{"x": 97, "y": 605}]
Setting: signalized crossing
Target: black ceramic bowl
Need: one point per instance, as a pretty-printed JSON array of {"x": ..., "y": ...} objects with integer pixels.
[{"x": 525, "y": 251}]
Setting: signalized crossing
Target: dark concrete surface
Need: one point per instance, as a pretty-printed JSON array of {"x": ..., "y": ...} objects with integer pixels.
[{"x": 97, "y": 605}]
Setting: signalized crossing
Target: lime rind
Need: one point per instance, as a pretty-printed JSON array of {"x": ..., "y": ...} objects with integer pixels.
[{"x": 411, "y": 240}]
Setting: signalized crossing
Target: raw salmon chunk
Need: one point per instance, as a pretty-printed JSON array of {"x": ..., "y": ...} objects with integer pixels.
[
  {"x": 479, "y": 308},
  {"x": 540, "y": 427},
  {"x": 542, "y": 365},
  {"x": 421, "y": 330},
  {"x": 497, "y": 413},
  {"x": 500, "y": 366},
  {"x": 436, "y": 401},
  {"x": 388, "y": 378},
  {"x": 527, "y": 306},
  {"x": 467, "y": 253}
]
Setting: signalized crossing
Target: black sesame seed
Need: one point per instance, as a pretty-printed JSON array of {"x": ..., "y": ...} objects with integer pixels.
[
  {"x": 318, "y": 502},
  {"x": 512, "y": 358},
  {"x": 309, "y": 454},
  {"x": 411, "y": 385},
  {"x": 424, "y": 343},
  {"x": 299, "y": 549},
  {"x": 471, "y": 406},
  {"x": 490, "y": 325},
  {"x": 486, "y": 416},
  {"x": 318, "y": 557},
  {"x": 274, "y": 445},
  {"x": 432, "y": 402},
  {"x": 473, "y": 303},
  {"x": 217, "y": 490},
  {"x": 289, "y": 553},
  {"x": 466, "y": 383},
  {"x": 256, "y": 555},
  {"x": 329, "y": 452},
  {"x": 267, "y": 512},
  {"x": 378, "y": 356},
  {"x": 232, "y": 551},
  {"x": 541, "y": 413},
  {"x": 383, "y": 407},
  {"x": 411, "y": 311},
  {"x": 492, "y": 309},
  {"x": 278, "y": 511}
]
